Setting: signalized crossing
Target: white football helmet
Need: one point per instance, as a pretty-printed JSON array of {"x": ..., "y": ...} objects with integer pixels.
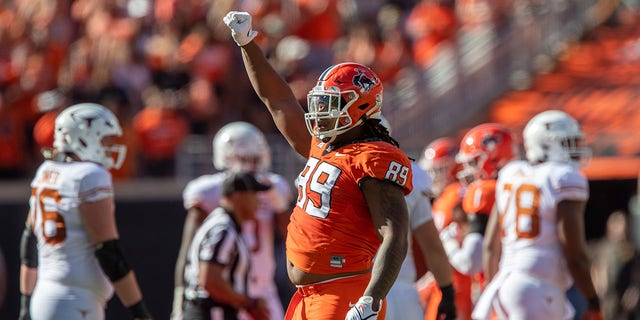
[
  {"x": 80, "y": 129},
  {"x": 555, "y": 136},
  {"x": 240, "y": 146}
]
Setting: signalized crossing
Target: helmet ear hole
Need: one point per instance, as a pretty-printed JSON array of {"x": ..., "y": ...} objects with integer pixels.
[{"x": 363, "y": 106}]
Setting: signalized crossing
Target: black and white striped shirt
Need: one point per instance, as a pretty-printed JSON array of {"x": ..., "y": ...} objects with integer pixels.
[{"x": 218, "y": 241}]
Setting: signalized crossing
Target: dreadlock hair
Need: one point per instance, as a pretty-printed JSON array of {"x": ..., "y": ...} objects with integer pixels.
[{"x": 377, "y": 129}]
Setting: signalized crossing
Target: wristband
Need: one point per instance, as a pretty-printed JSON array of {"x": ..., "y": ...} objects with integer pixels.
[
  {"x": 139, "y": 310},
  {"x": 25, "y": 300},
  {"x": 447, "y": 292}
]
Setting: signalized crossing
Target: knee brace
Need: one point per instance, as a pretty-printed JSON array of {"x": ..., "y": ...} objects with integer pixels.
[{"x": 111, "y": 259}]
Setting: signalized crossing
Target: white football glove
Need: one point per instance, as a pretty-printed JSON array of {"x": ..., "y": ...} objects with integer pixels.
[
  {"x": 240, "y": 25},
  {"x": 449, "y": 240},
  {"x": 362, "y": 310}
]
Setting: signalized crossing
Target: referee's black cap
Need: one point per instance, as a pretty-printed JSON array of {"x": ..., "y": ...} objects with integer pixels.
[{"x": 241, "y": 181}]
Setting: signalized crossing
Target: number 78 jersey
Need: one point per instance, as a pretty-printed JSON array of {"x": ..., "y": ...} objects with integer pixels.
[
  {"x": 331, "y": 229},
  {"x": 527, "y": 197}
]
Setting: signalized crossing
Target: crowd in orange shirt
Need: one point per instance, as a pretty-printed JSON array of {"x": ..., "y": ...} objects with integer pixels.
[{"x": 126, "y": 54}]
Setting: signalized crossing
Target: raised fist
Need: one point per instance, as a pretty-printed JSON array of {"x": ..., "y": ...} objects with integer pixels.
[{"x": 240, "y": 25}]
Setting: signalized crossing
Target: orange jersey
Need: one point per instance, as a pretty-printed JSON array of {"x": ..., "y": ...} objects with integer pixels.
[
  {"x": 430, "y": 297},
  {"x": 444, "y": 204},
  {"x": 480, "y": 197},
  {"x": 331, "y": 229}
]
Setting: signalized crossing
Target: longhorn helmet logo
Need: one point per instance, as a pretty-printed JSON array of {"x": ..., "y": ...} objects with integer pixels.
[{"x": 361, "y": 80}]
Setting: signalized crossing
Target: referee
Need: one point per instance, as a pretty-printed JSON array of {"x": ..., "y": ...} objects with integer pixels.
[{"x": 218, "y": 261}]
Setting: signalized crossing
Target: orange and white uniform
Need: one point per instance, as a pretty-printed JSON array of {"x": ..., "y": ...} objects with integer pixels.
[
  {"x": 331, "y": 230},
  {"x": 444, "y": 205},
  {"x": 70, "y": 281},
  {"x": 403, "y": 300},
  {"x": 443, "y": 208},
  {"x": 480, "y": 197},
  {"x": 533, "y": 276},
  {"x": 467, "y": 258}
]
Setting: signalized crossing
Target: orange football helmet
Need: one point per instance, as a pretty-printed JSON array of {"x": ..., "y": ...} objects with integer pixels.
[
  {"x": 345, "y": 95},
  {"x": 484, "y": 150},
  {"x": 438, "y": 159}
]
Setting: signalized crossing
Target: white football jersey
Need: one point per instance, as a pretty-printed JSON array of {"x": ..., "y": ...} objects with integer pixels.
[
  {"x": 419, "y": 207},
  {"x": 65, "y": 253},
  {"x": 403, "y": 301},
  {"x": 527, "y": 196},
  {"x": 205, "y": 192}
]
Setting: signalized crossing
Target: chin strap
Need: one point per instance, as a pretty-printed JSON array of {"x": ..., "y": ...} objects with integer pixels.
[{"x": 327, "y": 140}]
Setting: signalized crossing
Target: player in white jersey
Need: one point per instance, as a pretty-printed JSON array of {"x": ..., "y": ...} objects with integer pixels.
[
  {"x": 403, "y": 300},
  {"x": 71, "y": 259},
  {"x": 541, "y": 205},
  {"x": 484, "y": 150},
  {"x": 240, "y": 147}
]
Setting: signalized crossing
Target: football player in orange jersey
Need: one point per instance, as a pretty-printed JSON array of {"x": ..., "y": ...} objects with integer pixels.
[
  {"x": 484, "y": 150},
  {"x": 350, "y": 204},
  {"x": 403, "y": 300},
  {"x": 438, "y": 158}
]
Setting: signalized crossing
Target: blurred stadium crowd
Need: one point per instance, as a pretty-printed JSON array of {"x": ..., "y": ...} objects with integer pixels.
[{"x": 168, "y": 68}]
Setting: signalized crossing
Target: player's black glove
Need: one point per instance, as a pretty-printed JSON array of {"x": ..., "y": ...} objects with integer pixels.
[
  {"x": 447, "y": 306},
  {"x": 25, "y": 301}
]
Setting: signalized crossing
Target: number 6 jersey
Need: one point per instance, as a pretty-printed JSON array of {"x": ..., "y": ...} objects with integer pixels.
[
  {"x": 527, "y": 196},
  {"x": 331, "y": 229},
  {"x": 65, "y": 253}
]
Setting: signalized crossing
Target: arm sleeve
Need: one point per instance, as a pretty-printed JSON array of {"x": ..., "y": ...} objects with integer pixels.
[{"x": 28, "y": 248}]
